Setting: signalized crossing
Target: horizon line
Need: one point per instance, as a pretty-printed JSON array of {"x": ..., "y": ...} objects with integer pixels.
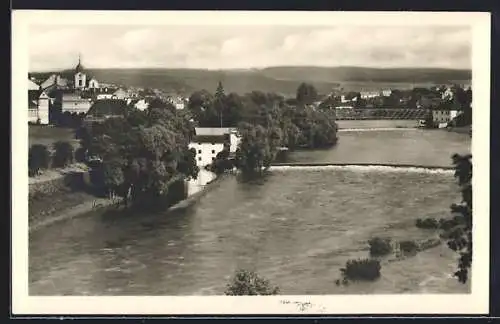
[{"x": 261, "y": 68}]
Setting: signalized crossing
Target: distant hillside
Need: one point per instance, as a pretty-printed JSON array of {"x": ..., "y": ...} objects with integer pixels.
[{"x": 284, "y": 80}]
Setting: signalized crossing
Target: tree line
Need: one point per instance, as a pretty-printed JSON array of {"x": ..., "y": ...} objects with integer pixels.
[{"x": 266, "y": 122}]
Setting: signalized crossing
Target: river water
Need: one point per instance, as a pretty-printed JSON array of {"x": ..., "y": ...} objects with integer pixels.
[{"x": 297, "y": 227}]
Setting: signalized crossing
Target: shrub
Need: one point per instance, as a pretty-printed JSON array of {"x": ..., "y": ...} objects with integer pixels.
[
  {"x": 80, "y": 155},
  {"x": 38, "y": 158},
  {"x": 408, "y": 247},
  {"x": 380, "y": 246},
  {"x": 245, "y": 283},
  {"x": 361, "y": 269},
  {"x": 427, "y": 223},
  {"x": 63, "y": 154}
]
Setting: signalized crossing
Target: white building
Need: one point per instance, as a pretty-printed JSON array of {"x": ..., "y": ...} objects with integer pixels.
[
  {"x": 74, "y": 103},
  {"x": 386, "y": 93},
  {"x": 208, "y": 142},
  {"x": 369, "y": 94},
  {"x": 38, "y": 105},
  {"x": 443, "y": 116},
  {"x": 141, "y": 104},
  {"x": 120, "y": 94}
]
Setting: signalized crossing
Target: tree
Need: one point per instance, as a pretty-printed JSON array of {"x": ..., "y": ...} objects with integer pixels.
[
  {"x": 306, "y": 94},
  {"x": 38, "y": 159},
  {"x": 254, "y": 153},
  {"x": 63, "y": 154},
  {"x": 220, "y": 101},
  {"x": 249, "y": 283},
  {"x": 460, "y": 237}
]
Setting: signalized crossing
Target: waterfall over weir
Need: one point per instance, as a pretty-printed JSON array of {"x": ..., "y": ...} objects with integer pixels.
[{"x": 362, "y": 167}]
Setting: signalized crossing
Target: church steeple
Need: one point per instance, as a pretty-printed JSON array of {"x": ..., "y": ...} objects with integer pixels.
[{"x": 79, "y": 67}]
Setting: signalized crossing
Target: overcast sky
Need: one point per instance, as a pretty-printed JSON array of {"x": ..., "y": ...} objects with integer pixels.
[{"x": 213, "y": 47}]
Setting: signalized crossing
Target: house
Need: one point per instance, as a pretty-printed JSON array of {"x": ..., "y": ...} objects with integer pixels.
[
  {"x": 75, "y": 104},
  {"x": 386, "y": 93},
  {"x": 177, "y": 101},
  {"x": 54, "y": 82},
  {"x": 105, "y": 93},
  {"x": 141, "y": 104},
  {"x": 120, "y": 94},
  {"x": 208, "y": 142},
  {"x": 369, "y": 94},
  {"x": 443, "y": 116},
  {"x": 344, "y": 107},
  {"x": 38, "y": 104},
  {"x": 104, "y": 109}
]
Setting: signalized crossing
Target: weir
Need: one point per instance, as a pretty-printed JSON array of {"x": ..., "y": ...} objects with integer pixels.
[{"x": 360, "y": 166}]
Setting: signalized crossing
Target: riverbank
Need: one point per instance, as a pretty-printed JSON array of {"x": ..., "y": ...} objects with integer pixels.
[{"x": 47, "y": 210}]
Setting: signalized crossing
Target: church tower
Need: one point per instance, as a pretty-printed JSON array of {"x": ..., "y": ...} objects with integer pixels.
[{"x": 80, "y": 77}]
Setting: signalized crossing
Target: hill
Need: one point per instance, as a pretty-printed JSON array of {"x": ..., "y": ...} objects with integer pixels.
[{"x": 284, "y": 80}]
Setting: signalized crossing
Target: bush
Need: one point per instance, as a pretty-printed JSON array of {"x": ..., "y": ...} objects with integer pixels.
[
  {"x": 63, "y": 154},
  {"x": 80, "y": 155},
  {"x": 408, "y": 247},
  {"x": 361, "y": 269},
  {"x": 248, "y": 283},
  {"x": 38, "y": 158},
  {"x": 380, "y": 246},
  {"x": 427, "y": 223}
]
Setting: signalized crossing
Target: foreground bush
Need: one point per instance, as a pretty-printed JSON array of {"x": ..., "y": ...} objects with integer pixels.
[
  {"x": 408, "y": 247},
  {"x": 248, "y": 283},
  {"x": 38, "y": 159},
  {"x": 427, "y": 223},
  {"x": 361, "y": 269},
  {"x": 380, "y": 246},
  {"x": 63, "y": 154}
]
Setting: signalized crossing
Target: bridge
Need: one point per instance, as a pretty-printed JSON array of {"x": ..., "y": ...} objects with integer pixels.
[{"x": 380, "y": 113}]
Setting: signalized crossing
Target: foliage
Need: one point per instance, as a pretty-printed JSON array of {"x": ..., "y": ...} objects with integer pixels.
[
  {"x": 80, "y": 155},
  {"x": 256, "y": 151},
  {"x": 427, "y": 223},
  {"x": 380, "y": 246},
  {"x": 144, "y": 153},
  {"x": 63, "y": 154},
  {"x": 460, "y": 239},
  {"x": 38, "y": 159},
  {"x": 361, "y": 269},
  {"x": 306, "y": 93},
  {"x": 249, "y": 283},
  {"x": 408, "y": 247}
]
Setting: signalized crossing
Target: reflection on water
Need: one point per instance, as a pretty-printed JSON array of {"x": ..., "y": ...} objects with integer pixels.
[{"x": 297, "y": 228}]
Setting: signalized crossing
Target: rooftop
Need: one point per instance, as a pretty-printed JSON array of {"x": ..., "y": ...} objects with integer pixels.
[{"x": 213, "y": 131}]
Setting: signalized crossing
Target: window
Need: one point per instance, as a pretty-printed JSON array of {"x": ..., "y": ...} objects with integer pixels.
[
  {"x": 213, "y": 159},
  {"x": 213, "y": 151},
  {"x": 199, "y": 151},
  {"x": 199, "y": 159}
]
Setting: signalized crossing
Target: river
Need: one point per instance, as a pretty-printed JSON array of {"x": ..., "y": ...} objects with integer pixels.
[{"x": 297, "y": 228}]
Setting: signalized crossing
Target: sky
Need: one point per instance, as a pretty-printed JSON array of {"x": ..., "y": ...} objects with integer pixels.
[{"x": 216, "y": 47}]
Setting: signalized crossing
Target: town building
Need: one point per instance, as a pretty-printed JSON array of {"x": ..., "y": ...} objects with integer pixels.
[
  {"x": 75, "y": 104},
  {"x": 177, "y": 101},
  {"x": 443, "y": 117},
  {"x": 38, "y": 104},
  {"x": 386, "y": 93},
  {"x": 208, "y": 142},
  {"x": 141, "y": 104},
  {"x": 105, "y": 109},
  {"x": 369, "y": 94}
]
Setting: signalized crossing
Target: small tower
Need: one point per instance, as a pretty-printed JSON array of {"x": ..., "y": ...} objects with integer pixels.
[
  {"x": 43, "y": 108},
  {"x": 80, "y": 77}
]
